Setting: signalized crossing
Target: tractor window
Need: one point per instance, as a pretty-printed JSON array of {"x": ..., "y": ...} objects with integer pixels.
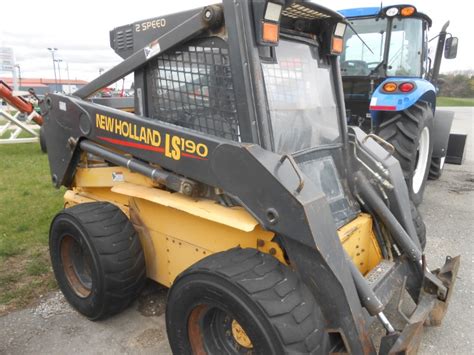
[
  {"x": 406, "y": 48},
  {"x": 301, "y": 98},
  {"x": 358, "y": 59}
]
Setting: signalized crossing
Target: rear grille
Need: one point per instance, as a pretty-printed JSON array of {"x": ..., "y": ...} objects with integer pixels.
[
  {"x": 124, "y": 40},
  {"x": 192, "y": 87}
]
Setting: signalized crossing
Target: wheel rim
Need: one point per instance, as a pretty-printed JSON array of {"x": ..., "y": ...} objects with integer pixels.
[
  {"x": 212, "y": 330},
  {"x": 77, "y": 266},
  {"x": 422, "y": 160}
]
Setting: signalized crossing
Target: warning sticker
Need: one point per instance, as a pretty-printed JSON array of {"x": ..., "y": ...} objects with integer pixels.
[{"x": 117, "y": 177}]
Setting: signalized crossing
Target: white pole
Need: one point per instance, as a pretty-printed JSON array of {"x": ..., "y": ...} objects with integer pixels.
[{"x": 69, "y": 80}]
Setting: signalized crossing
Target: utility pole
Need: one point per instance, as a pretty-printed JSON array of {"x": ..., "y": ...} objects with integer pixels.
[
  {"x": 69, "y": 80},
  {"x": 19, "y": 75},
  {"x": 52, "y": 50},
  {"x": 59, "y": 73}
]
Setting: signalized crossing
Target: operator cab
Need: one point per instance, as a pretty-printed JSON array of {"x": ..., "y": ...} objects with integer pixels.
[{"x": 195, "y": 85}]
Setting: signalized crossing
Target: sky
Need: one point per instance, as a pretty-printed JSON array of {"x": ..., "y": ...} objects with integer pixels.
[{"x": 80, "y": 30}]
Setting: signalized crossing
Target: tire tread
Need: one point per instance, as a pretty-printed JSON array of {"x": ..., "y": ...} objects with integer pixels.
[
  {"x": 118, "y": 249},
  {"x": 402, "y": 130},
  {"x": 286, "y": 301}
]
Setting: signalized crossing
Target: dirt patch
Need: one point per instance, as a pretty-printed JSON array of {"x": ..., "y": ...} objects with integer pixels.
[
  {"x": 462, "y": 183},
  {"x": 152, "y": 301},
  {"x": 149, "y": 338},
  {"x": 53, "y": 305}
]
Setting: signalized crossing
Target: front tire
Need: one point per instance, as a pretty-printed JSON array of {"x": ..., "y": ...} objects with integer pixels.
[
  {"x": 409, "y": 131},
  {"x": 242, "y": 301},
  {"x": 97, "y": 258},
  {"x": 42, "y": 140}
]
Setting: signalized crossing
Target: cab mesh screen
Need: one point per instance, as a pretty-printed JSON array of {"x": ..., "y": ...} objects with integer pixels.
[{"x": 191, "y": 86}]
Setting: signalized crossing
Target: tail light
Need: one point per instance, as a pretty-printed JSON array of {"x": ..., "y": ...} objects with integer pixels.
[
  {"x": 337, "y": 42},
  {"x": 406, "y": 87},
  {"x": 271, "y": 23},
  {"x": 270, "y": 32}
]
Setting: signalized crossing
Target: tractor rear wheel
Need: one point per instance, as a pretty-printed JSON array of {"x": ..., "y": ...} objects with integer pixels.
[
  {"x": 242, "y": 301},
  {"x": 409, "y": 131},
  {"x": 436, "y": 168},
  {"x": 97, "y": 258}
]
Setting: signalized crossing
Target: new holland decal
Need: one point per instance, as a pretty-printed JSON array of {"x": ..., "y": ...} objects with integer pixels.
[{"x": 172, "y": 146}]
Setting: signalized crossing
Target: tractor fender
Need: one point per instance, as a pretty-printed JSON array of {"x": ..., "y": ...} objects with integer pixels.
[
  {"x": 442, "y": 128},
  {"x": 399, "y": 101}
]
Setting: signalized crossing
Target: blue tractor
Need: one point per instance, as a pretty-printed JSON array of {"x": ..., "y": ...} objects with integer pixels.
[{"x": 390, "y": 86}]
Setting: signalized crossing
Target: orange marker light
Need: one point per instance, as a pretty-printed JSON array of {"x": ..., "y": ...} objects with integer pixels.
[
  {"x": 390, "y": 87},
  {"x": 407, "y": 11},
  {"x": 337, "y": 44},
  {"x": 270, "y": 32}
]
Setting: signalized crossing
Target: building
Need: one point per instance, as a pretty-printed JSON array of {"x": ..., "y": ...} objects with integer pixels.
[{"x": 44, "y": 86}]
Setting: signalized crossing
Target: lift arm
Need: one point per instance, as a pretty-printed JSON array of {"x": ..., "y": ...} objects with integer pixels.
[{"x": 198, "y": 22}]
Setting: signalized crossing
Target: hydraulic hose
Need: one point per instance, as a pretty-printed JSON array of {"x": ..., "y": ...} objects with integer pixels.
[{"x": 370, "y": 197}]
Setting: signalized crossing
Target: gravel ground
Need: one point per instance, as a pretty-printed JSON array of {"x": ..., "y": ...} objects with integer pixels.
[{"x": 52, "y": 327}]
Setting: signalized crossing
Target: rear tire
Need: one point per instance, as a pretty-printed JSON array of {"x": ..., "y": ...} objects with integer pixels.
[
  {"x": 436, "y": 168},
  {"x": 243, "y": 301},
  {"x": 409, "y": 131},
  {"x": 97, "y": 258}
]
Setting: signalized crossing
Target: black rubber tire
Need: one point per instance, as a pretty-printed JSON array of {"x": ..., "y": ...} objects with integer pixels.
[
  {"x": 403, "y": 129},
  {"x": 42, "y": 140},
  {"x": 116, "y": 260},
  {"x": 275, "y": 309},
  {"x": 436, "y": 170},
  {"x": 419, "y": 225}
]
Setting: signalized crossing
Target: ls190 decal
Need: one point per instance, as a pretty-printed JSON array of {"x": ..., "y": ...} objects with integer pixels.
[{"x": 172, "y": 146}]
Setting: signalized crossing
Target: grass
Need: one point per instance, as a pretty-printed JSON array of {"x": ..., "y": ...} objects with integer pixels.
[
  {"x": 28, "y": 202},
  {"x": 454, "y": 101}
]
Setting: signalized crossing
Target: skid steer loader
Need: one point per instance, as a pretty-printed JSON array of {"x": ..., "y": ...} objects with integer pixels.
[{"x": 277, "y": 228}]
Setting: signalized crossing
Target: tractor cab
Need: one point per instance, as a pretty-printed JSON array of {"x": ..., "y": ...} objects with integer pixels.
[
  {"x": 390, "y": 86},
  {"x": 378, "y": 44}
]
